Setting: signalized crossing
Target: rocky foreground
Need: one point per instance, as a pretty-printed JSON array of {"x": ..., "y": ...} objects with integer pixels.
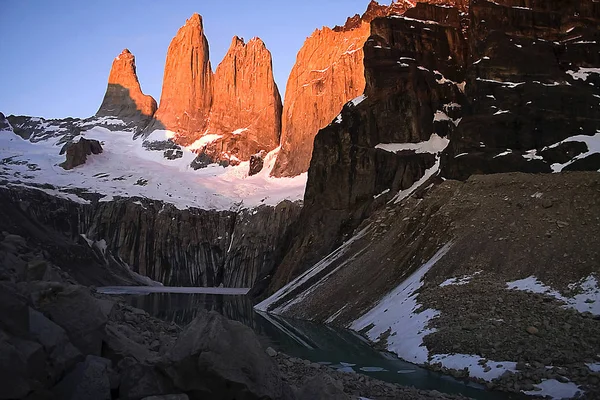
[{"x": 62, "y": 340}]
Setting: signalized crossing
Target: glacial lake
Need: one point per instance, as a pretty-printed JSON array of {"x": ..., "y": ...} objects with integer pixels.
[{"x": 341, "y": 349}]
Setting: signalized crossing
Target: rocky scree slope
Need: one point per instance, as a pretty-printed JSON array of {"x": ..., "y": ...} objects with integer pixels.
[
  {"x": 453, "y": 309},
  {"x": 480, "y": 86}
]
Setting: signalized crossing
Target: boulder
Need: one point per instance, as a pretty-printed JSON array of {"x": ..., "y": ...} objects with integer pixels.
[
  {"x": 140, "y": 380},
  {"x": 322, "y": 387},
  {"x": 61, "y": 352},
  {"x": 14, "y": 378},
  {"x": 89, "y": 380},
  {"x": 257, "y": 162},
  {"x": 82, "y": 316},
  {"x": 220, "y": 359},
  {"x": 77, "y": 152}
]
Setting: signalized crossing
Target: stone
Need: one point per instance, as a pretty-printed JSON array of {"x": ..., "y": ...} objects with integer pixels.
[
  {"x": 14, "y": 377},
  {"x": 271, "y": 352},
  {"x": 168, "y": 397},
  {"x": 256, "y": 163},
  {"x": 186, "y": 95},
  {"x": 89, "y": 380},
  {"x": 124, "y": 98},
  {"x": 56, "y": 343},
  {"x": 36, "y": 269},
  {"x": 322, "y": 387},
  {"x": 532, "y": 330},
  {"x": 78, "y": 152},
  {"x": 74, "y": 309},
  {"x": 329, "y": 71},
  {"x": 140, "y": 381},
  {"x": 221, "y": 359}
]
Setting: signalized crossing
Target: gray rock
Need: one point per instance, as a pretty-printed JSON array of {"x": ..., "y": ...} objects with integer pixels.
[
  {"x": 74, "y": 308},
  {"x": 55, "y": 341},
  {"x": 89, "y": 380},
  {"x": 222, "y": 359},
  {"x": 168, "y": 397},
  {"x": 140, "y": 381},
  {"x": 322, "y": 387},
  {"x": 118, "y": 346},
  {"x": 271, "y": 352},
  {"x": 14, "y": 311},
  {"x": 14, "y": 379},
  {"x": 36, "y": 270}
]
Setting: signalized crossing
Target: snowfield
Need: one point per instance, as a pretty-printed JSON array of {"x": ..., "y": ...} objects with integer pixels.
[{"x": 127, "y": 169}]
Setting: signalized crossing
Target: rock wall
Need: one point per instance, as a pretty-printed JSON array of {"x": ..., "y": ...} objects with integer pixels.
[
  {"x": 328, "y": 73},
  {"x": 124, "y": 98},
  {"x": 404, "y": 102},
  {"x": 246, "y": 108},
  {"x": 186, "y": 95},
  {"x": 176, "y": 247}
]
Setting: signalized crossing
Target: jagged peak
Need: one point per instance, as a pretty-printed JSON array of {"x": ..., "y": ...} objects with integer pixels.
[{"x": 194, "y": 20}]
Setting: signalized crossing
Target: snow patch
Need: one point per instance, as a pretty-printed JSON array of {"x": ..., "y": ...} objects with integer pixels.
[
  {"x": 396, "y": 314},
  {"x": 555, "y": 389},
  {"x": 586, "y": 299},
  {"x": 204, "y": 140},
  {"x": 463, "y": 280},
  {"x": 476, "y": 370},
  {"x": 356, "y": 101},
  {"x": 583, "y": 73},
  {"x": 434, "y": 145}
]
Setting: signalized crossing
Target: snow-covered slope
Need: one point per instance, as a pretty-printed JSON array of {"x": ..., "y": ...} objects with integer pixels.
[{"x": 130, "y": 167}]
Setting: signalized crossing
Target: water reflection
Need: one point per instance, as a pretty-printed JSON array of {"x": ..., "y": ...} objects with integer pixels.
[{"x": 339, "y": 348}]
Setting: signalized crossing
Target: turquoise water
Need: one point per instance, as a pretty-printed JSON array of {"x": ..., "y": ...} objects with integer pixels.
[{"x": 341, "y": 349}]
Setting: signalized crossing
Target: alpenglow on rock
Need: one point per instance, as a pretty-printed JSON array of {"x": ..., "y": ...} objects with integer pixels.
[
  {"x": 328, "y": 73},
  {"x": 246, "y": 107},
  {"x": 187, "y": 84},
  {"x": 124, "y": 98}
]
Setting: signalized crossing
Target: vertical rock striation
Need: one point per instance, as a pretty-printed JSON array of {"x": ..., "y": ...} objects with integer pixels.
[
  {"x": 328, "y": 72},
  {"x": 246, "y": 107},
  {"x": 186, "y": 95}
]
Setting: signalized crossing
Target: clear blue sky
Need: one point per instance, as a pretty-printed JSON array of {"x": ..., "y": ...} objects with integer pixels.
[{"x": 55, "y": 55}]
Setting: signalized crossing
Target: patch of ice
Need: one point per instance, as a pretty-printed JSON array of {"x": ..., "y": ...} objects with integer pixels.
[
  {"x": 428, "y": 174},
  {"x": 532, "y": 155},
  {"x": 461, "y": 361},
  {"x": 239, "y": 131},
  {"x": 396, "y": 313},
  {"x": 381, "y": 194},
  {"x": 592, "y": 143},
  {"x": 373, "y": 369},
  {"x": 281, "y": 296},
  {"x": 463, "y": 280},
  {"x": 434, "y": 145},
  {"x": 504, "y": 153},
  {"x": 587, "y": 298},
  {"x": 511, "y": 85},
  {"x": 555, "y": 389},
  {"x": 594, "y": 367},
  {"x": 583, "y": 73},
  {"x": 356, "y": 101},
  {"x": 204, "y": 140}
]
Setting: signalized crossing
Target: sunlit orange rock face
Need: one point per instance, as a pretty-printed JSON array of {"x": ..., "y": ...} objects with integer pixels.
[
  {"x": 246, "y": 107},
  {"x": 124, "y": 98},
  {"x": 327, "y": 74},
  {"x": 186, "y": 95}
]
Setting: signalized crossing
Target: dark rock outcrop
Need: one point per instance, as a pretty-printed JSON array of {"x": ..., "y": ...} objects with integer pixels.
[
  {"x": 328, "y": 72},
  {"x": 529, "y": 85},
  {"x": 77, "y": 152},
  {"x": 221, "y": 359},
  {"x": 409, "y": 66},
  {"x": 124, "y": 98},
  {"x": 189, "y": 247},
  {"x": 186, "y": 95}
]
